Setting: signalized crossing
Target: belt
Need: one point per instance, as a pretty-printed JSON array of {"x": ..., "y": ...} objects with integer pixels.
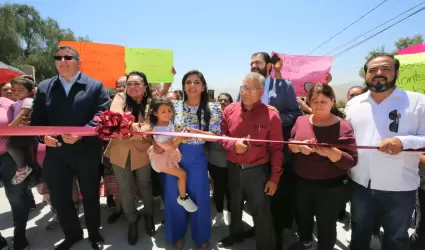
[{"x": 247, "y": 167}]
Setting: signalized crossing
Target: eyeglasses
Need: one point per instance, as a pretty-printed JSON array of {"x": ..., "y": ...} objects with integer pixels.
[
  {"x": 394, "y": 116},
  {"x": 249, "y": 90},
  {"x": 66, "y": 58}
]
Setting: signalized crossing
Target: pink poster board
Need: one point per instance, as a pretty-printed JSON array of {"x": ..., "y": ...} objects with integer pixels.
[
  {"x": 304, "y": 70},
  {"x": 419, "y": 48}
]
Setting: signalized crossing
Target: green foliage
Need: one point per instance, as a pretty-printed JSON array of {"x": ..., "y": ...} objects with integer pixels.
[
  {"x": 405, "y": 42},
  {"x": 28, "y": 39},
  {"x": 401, "y": 43},
  {"x": 340, "y": 104}
]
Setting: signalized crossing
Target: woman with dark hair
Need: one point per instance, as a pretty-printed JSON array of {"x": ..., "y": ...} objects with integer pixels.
[
  {"x": 224, "y": 99},
  {"x": 129, "y": 157},
  {"x": 6, "y": 91},
  {"x": 321, "y": 171},
  {"x": 217, "y": 166},
  {"x": 193, "y": 114}
]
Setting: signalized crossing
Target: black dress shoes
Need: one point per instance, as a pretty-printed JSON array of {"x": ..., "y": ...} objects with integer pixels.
[
  {"x": 96, "y": 241},
  {"x": 149, "y": 225},
  {"x": 133, "y": 232},
  {"x": 229, "y": 241},
  {"x": 250, "y": 233},
  {"x": 68, "y": 243}
]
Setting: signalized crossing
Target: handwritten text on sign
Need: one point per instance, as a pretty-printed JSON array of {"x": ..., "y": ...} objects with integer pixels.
[
  {"x": 304, "y": 70},
  {"x": 104, "y": 62},
  {"x": 412, "y": 72},
  {"x": 155, "y": 63}
]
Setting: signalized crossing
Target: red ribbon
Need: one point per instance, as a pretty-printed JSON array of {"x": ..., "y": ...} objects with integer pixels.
[{"x": 116, "y": 125}]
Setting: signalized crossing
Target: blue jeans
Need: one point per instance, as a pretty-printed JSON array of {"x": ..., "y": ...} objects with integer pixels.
[
  {"x": 17, "y": 195},
  {"x": 395, "y": 209}
]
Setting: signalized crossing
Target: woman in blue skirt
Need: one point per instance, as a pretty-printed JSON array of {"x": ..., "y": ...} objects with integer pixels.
[{"x": 196, "y": 115}]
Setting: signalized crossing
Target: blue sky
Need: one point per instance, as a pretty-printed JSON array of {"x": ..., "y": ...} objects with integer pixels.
[{"x": 218, "y": 37}]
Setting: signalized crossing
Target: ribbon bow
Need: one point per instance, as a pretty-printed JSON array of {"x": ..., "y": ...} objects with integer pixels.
[{"x": 113, "y": 125}]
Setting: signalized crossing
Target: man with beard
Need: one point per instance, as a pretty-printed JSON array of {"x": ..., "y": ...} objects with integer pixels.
[
  {"x": 280, "y": 94},
  {"x": 385, "y": 181}
]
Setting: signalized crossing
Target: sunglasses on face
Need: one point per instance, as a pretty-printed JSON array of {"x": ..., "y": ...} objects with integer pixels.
[
  {"x": 394, "y": 117},
  {"x": 66, "y": 58}
]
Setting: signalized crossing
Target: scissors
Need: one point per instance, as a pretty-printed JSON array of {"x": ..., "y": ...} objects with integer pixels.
[{"x": 246, "y": 141}]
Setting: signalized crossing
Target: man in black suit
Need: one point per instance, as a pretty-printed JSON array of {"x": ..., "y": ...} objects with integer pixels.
[{"x": 72, "y": 99}]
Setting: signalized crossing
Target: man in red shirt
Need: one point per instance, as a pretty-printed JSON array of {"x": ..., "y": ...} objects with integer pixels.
[{"x": 254, "y": 167}]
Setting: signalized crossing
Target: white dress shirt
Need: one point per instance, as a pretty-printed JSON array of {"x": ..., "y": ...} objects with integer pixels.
[
  {"x": 68, "y": 85},
  {"x": 371, "y": 122}
]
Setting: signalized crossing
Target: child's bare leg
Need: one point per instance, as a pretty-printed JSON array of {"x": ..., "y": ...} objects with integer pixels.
[{"x": 182, "y": 178}]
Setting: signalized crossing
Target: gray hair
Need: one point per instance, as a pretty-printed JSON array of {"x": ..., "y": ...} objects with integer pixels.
[
  {"x": 74, "y": 51},
  {"x": 255, "y": 76},
  {"x": 354, "y": 87},
  {"x": 122, "y": 80}
]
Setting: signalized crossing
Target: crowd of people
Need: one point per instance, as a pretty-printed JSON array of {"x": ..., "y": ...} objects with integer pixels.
[{"x": 285, "y": 187}]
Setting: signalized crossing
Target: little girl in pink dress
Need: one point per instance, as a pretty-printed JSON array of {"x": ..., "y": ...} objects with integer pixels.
[{"x": 160, "y": 115}]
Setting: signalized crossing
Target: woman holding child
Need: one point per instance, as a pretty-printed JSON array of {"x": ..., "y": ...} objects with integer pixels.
[{"x": 193, "y": 114}]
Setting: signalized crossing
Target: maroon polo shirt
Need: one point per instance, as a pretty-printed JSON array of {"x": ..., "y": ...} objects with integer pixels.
[{"x": 261, "y": 122}]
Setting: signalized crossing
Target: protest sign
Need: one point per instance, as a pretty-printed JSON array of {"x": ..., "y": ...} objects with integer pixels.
[
  {"x": 412, "y": 72},
  {"x": 418, "y": 48},
  {"x": 155, "y": 63},
  {"x": 104, "y": 62},
  {"x": 304, "y": 70}
]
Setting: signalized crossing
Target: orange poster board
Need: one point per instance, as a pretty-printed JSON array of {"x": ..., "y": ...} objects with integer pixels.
[{"x": 104, "y": 62}]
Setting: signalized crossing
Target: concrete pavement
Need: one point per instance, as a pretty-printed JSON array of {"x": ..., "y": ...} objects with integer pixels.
[{"x": 116, "y": 235}]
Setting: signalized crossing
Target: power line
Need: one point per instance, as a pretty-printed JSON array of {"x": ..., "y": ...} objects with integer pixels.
[
  {"x": 347, "y": 27},
  {"x": 377, "y": 33},
  {"x": 382, "y": 24}
]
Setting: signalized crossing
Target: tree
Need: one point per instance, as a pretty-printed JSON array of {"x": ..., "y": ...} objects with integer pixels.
[
  {"x": 405, "y": 42},
  {"x": 401, "y": 43},
  {"x": 28, "y": 39}
]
